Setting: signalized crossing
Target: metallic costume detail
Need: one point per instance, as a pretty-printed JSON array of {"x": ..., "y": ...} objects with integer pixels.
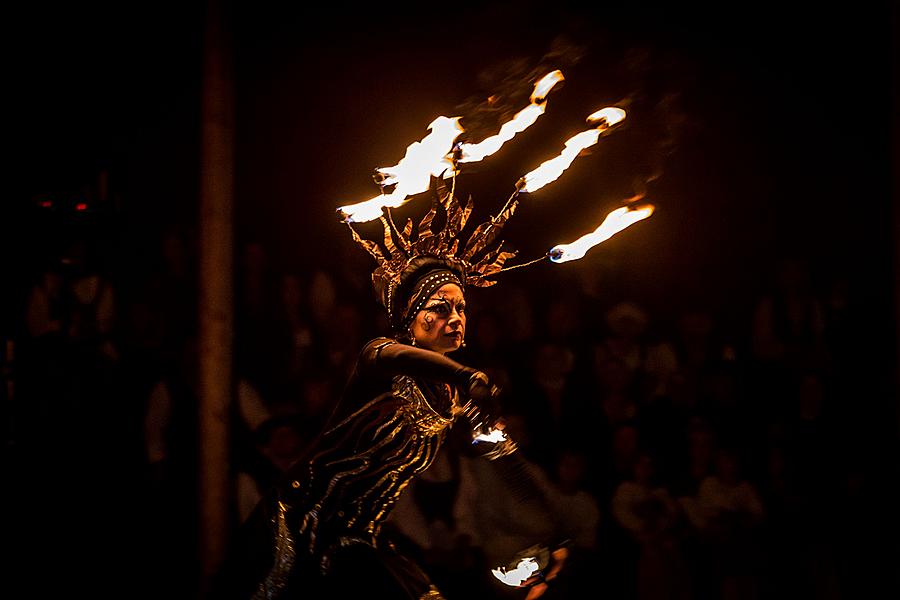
[
  {"x": 378, "y": 348},
  {"x": 346, "y": 489},
  {"x": 369, "y": 458},
  {"x": 285, "y": 554},
  {"x": 418, "y": 412}
]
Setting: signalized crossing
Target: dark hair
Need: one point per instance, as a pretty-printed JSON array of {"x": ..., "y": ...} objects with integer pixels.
[{"x": 401, "y": 299}]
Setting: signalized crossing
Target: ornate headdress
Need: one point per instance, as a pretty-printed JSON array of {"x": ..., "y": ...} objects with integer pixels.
[
  {"x": 407, "y": 261},
  {"x": 411, "y": 267}
]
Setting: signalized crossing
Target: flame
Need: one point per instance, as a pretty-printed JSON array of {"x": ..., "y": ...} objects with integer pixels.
[
  {"x": 611, "y": 115},
  {"x": 614, "y": 222},
  {"x": 543, "y": 87},
  {"x": 494, "y": 435},
  {"x": 550, "y": 170},
  {"x": 412, "y": 175},
  {"x": 433, "y": 155},
  {"x": 525, "y": 569},
  {"x": 524, "y": 119}
]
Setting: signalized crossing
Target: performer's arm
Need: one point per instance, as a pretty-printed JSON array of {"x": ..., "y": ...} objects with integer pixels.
[
  {"x": 522, "y": 480},
  {"x": 387, "y": 357}
]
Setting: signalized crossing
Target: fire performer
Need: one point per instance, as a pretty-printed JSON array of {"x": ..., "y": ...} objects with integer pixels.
[{"x": 318, "y": 534}]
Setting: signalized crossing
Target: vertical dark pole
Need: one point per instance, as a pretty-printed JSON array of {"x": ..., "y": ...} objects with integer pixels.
[
  {"x": 894, "y": 65},
  {"x": 216, "y": 293}
]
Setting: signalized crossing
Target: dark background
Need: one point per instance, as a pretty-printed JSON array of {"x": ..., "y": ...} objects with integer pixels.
[
  {"x": 760, "y": 131},
  {"x": 779, "y": 130}
]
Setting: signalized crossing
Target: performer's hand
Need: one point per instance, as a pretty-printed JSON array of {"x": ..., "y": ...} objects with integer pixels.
[
  {"x": 485, "y": 396},
  {"x": 480, "y": 389}
]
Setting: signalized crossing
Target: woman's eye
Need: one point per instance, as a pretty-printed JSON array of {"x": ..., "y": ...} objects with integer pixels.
[{"x": 440, "y": 309}]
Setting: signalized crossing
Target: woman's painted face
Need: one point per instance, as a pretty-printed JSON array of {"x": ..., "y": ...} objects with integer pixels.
[{"x": 441, "y": 324}]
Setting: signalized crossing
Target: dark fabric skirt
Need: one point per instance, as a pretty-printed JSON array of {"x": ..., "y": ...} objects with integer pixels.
[{"x": 354, "y": 569}]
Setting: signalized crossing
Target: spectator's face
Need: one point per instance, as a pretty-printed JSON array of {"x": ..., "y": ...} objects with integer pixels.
[{"x": 441, "y": 325}]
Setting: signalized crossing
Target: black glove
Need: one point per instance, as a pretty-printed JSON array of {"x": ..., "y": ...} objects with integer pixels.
[{"x": 482, "y": 405}]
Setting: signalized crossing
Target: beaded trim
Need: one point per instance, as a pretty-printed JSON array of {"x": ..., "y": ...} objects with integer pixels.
[{"x": 431, "y": 283}]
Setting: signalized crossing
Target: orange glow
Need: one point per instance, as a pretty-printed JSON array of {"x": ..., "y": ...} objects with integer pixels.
[
  {"x": 524, "y": 119},
  {"x": 432, "y": 156},
  {"x": 610, "y": 116},
  {"x": 614, "y": 222},
  {"x": 543, "y": 87},
  {"x": 412, "y": 175},
  {"x": 550, "y": 170}
]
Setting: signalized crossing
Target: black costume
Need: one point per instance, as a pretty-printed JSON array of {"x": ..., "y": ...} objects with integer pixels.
[{"x": 317, "y": 535}]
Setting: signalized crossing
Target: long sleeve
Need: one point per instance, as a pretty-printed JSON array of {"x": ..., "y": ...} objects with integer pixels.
[
  {"x": 387, "y": 357},
  {"x": 512, "y": 511}
]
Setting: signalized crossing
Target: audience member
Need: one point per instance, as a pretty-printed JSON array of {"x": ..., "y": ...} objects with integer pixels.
[
  {"x": 646, "y": 510},
  {"x": 729, "y": 514}
]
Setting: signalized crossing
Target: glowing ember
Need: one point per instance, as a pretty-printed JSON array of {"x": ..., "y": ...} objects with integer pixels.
[
  {"x": 526, "y": 568},
  {"x": 523, "y": 119},
  {"x": 550, "y": 170},
  {"x": 614, "y": 222},
  {"x": 411, "y": 175}
]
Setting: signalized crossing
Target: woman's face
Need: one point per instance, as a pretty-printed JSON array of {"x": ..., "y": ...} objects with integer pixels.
[{"x": 441, "y": 325}]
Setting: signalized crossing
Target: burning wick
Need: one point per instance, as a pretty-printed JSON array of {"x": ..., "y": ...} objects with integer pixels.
[
  {"x": 412, "y": 175},
  {"x": 524, "y": 119},
  {"x": 550, "y": 170},
  {"x": 614, "y": 222}
]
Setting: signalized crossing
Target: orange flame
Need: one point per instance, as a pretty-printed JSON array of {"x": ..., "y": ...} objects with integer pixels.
[
  {"x": 614, "y": 222},
  {"x": 550, "y": 170},
  {"x": 524, "y": 119},
  {"x": 423, "y": 159},
  {"x": 543, "y": 87},
  {"x": 611, "y": 115}
]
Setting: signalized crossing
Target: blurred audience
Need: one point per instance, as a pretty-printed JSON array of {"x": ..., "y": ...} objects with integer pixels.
[{"x": 687, "y": 461}]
